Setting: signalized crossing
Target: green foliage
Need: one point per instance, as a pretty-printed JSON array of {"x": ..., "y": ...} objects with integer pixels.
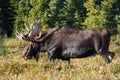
[
  {"x": 108, "y": 13},
  {"x": 117, "y": 19},
  {"x": 77, "y": 14},
  {"x": 92, "y": 14},
  {"x": 22, "y": 14},
  {"x": 7, "y": 13},
  {"x": 73, "y": 13},
  {"x": 52, "y": 13},
  {"x": 101, "y": 14},
  {"x": 117, "y": 16}
]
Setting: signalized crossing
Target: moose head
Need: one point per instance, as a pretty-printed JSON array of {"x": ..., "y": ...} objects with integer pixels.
[
  {"x": 36, "y": 44},
  {"x": 32, "y": 48}
]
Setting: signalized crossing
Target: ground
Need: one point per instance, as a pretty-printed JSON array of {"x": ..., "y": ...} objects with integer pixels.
[{"x": 14, "y": 67}]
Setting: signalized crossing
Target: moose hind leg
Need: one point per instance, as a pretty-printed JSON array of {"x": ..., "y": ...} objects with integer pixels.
[
  {"x": 108, "y": 57},
  {"x": 97, "y": 46},
  {"x": 102, "y": 50}
]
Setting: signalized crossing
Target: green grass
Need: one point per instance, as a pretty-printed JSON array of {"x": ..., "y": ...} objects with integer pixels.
[{"x": 14, "y": 67}]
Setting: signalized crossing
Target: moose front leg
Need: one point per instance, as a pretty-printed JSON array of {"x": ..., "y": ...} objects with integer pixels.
[
  {"x": 108, "y": 57},
  {"x": 36, "y": 57},
  {"x": 51, "y": 52}
]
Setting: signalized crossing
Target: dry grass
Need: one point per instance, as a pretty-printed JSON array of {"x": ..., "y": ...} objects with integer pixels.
[{"x": 14, "y": 67}]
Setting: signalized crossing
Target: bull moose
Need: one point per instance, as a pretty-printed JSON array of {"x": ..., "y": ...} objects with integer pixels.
[{"x": 63, "y": 42}]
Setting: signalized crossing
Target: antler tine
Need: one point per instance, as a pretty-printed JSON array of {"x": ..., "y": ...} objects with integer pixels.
[
  {"x": 26, "y": 27},
  {"x": 38, "y": 21},
  {"x": 20, "y": 36}
]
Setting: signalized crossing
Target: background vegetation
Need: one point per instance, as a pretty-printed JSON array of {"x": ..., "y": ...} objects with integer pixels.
[{"x": 77, "y": 14}]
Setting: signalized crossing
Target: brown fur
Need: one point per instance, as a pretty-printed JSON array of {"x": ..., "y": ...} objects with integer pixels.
[{"x": 65, "y": 43}]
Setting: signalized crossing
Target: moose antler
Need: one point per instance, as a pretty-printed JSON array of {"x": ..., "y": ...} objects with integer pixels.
[
  {"x": 26, "y": 27},
  {"x": 43, "y": 39},
  {"x": 31, "y": 34}
]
